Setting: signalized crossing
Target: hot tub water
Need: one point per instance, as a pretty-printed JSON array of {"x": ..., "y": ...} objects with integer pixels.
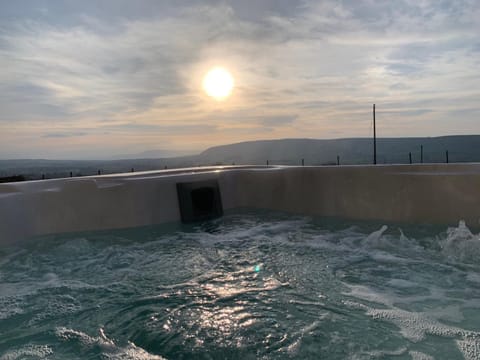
[{"x": 249, "y": 285}]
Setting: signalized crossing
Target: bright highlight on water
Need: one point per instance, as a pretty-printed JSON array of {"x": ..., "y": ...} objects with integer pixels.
[{"x": 342, "y": 290}]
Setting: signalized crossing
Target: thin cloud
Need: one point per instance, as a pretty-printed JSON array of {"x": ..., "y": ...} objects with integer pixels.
[
  {"x": 326, "y": 62},
  {"x": 64, "y": 135},
  {"x": 275, "y": 121}
]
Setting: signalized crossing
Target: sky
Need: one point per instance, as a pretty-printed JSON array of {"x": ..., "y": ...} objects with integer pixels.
[{"x": 95, "y": 79}]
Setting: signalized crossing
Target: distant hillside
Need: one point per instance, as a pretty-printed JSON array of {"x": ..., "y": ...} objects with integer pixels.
[{"x": 464, "y": 148}]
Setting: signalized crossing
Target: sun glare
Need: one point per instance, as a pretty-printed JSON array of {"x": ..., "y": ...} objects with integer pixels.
[{"x": 218, "y": 83}]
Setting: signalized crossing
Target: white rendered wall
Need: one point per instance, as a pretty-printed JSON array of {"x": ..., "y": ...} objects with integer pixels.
[{"x": 400, "y": 193}]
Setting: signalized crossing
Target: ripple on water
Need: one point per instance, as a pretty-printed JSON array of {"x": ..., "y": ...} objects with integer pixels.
[{"x": 251, "y": 285}]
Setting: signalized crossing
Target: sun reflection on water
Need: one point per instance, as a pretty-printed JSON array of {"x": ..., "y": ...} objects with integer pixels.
[{"x": 221, "y": 307}]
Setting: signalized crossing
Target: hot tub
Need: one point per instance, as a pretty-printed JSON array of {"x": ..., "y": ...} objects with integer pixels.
[
  {"x": 333, "y": 262},
  {"x": 437, "y": 193}
]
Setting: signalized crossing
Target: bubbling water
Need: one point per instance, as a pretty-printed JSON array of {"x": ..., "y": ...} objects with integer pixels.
[{"x": 249, "y": 285}]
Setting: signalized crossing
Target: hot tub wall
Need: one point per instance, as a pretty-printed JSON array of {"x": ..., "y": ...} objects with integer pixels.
[
  {"x": 417, "y": 193},
  {"x": 91, "y": 203}
]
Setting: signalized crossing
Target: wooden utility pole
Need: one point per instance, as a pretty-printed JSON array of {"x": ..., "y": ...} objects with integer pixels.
[{"x": 374, "y": 138}]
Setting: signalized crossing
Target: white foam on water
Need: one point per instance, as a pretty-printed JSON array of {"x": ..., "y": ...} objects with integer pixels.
[
  {"x": 461, "y": 244},
  {"x": 470, "y": 348},
  {"x": 415, "y": 326},
  {"x": 28, "y": 351},
  {"x": 67, "y": 334},
  {"x": 397, "y": 249},
  {"x": 108, "y": 347},
  {"x": 375, "y": 238}
]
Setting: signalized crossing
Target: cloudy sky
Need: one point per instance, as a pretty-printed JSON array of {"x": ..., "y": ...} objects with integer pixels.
[{"x": 94, "y": 79}]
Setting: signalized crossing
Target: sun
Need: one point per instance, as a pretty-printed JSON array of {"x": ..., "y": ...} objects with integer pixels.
[{"x": 218, "y": 83}]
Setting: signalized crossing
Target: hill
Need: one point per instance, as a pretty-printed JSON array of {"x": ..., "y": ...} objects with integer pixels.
[{"x": 462, "y": 148}]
